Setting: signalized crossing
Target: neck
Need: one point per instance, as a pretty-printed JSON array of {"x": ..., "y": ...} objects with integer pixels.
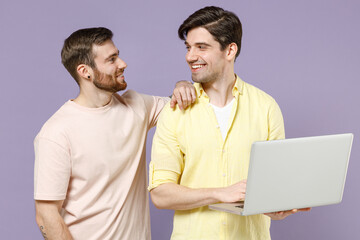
[
  {"x": 220, "y": 90},
  {"x": 93, "y": 98}
]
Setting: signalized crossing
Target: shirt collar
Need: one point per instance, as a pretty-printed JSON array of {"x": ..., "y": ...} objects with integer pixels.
[{"x": 237, "y": 89}]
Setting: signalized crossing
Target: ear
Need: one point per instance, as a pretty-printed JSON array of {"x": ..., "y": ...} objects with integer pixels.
[
  {"x": 231, "y": 51},
  {"x": 84, "y": 71}
]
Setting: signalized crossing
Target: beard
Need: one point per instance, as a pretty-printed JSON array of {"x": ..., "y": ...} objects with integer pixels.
[{"x": 108, "y": 82}]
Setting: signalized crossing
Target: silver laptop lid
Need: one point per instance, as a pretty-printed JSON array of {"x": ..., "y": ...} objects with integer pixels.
[{"x": 297, "y": 173}]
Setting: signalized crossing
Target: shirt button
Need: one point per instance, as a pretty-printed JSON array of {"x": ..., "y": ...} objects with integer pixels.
[
  {"x": 223, "y": 150},
  {"x": 217, "y": 126},
  {"x": 224, "y": 223},
  {"x": 224, "y": 174}
]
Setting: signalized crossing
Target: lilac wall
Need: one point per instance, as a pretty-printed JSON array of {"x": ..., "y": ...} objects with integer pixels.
[{"x": 306, "y": 54}]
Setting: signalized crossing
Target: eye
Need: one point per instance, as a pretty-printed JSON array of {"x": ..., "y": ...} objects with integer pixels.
[
  {"x": 112, "y": 59},
  {"x": 188, "y": 48}
]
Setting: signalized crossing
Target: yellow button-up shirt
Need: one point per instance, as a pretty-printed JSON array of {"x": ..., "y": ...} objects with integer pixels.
[{"x": 188, "y": 149}]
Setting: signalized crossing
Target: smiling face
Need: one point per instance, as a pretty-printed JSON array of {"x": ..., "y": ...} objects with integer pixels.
[
  {"x": 204, "y": 56},
  {"x": 109, "y": 71}
]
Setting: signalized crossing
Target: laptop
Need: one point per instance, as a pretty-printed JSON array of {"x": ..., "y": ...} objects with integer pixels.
[{"x": 294, "y": 173}]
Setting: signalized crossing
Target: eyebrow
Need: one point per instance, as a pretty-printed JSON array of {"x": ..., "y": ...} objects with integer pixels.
[
  {"x": 199, "y": 43},
  {"x": 113, "y": 55}
]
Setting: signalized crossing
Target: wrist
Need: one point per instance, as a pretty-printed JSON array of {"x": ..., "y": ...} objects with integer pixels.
[{"x": 216, "y": 195}]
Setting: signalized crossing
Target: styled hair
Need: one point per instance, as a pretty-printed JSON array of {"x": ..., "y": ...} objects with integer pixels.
[
  {"x": 223, "y": 25},
  {"x": 78, "y": 48}
]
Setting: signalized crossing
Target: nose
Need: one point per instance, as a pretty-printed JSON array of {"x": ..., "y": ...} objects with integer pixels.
[
  {"x": 121, "y": 63},
  {"x": 191, "y": 55}
]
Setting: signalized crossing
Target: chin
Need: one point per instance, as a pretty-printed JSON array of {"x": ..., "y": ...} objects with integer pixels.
[
  {"x": 198, "y": 79},
  {"x": 122, "y": 86}
]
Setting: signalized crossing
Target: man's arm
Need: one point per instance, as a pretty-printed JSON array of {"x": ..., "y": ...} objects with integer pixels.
[
  {"x": 167, "y": 165},
  {"x": 177, "y": 197},
  {"x": 50, "y": 222},
  {"x": 183, "y": 95}
]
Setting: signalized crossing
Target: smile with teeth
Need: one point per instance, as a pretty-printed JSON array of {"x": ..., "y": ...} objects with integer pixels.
[{"x": 197, "y": 66}]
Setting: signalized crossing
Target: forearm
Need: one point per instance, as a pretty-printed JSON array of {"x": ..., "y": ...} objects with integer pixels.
[
  {"x": 53, "y": 228},
  {"x": 51, "y": 224},
  {"x": 177, "y": 197}
]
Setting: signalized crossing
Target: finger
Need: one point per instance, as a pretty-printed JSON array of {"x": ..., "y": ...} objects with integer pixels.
[
  {"x": 186, "y": 96},
  {"x": 189, "y": 96},
  {"x": 173, "y": 101},
  {"x": 243, "y": 182},
  {"x": 193, "y": 95},
  {"x": 179, "y": 100},
  {"x": 289, "y": 212},
  {"x": 283, "y": 214},
  {"x": 304, "y": 209}
]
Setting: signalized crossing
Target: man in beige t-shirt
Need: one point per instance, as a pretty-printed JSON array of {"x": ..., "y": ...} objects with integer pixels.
[{"x": 90, "y": 168}]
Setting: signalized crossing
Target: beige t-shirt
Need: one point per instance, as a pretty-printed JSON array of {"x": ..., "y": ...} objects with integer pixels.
[{"x": 94, "y": 159}]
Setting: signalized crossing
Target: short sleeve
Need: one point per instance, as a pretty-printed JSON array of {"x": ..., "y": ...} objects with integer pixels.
[
  {"x": 52, "y": 170},
  {"x": 154, "y": 105},
  {"x": 167, "y": 160},
  {"x": 275, "y": 122}
]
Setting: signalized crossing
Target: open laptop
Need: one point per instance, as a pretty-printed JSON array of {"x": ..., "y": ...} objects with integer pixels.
[{"x": 294, "y": 173}]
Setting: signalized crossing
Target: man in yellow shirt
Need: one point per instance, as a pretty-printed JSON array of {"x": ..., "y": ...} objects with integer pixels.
[{"x": 200, "y": 155}]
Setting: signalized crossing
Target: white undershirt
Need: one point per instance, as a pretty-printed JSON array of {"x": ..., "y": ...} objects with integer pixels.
[{"x": 222, "y": 116}]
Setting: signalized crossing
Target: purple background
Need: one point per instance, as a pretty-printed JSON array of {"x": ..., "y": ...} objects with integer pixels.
[{"x": 306, "y": 54}]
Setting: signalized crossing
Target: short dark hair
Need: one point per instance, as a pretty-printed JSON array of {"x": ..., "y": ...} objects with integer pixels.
[
  {"x": 78, "y": 48},
  {"x": 223, "y": 25}
]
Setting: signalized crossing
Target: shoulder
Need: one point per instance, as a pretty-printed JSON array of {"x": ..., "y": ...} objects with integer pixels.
[
  {"x": 175, "y": 115},
  {"x": 142, "y": 101},
  {"x": 133, "y": 95},
  {"x": 129, "y": 94},
  {"x": 54, "y": 128},
  {"x": 257, "y": 95},
  {"x": 133, "y": 98}
]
